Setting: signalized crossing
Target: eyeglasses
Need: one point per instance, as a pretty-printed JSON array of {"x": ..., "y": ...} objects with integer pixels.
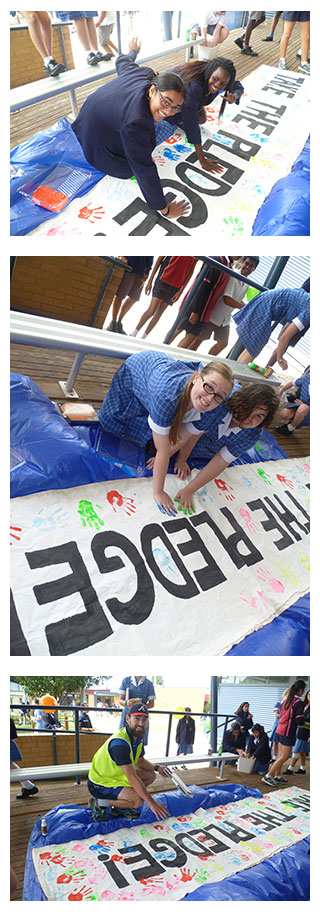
[
  {"x": 210, "y": 391},
  {"x": 167, "y": 105}
]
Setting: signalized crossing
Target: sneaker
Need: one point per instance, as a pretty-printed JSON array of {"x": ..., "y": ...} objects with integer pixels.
[
  {"x": 304, "y": 68},
  {"x": 282, "y": 65},
  {"x": 120, "y": 329},
  {"x": 102, "y": 57},
  {"x": 25, "y": 793},
  {"x": 247, "y": 50},
  {"x": 280, "y": 779},
  {"x": 124, "y": 813},
  {"x": 301, "y": 770},
  {"x": 268, "y": 38},
  {"x": 269, "y": 780},
  {"x": 113, "y": 327},
  {"x": 284, "y": 430},
  {"x": 53, "y": 68},
  {"x": 298, "y": 55},
  {"x": 99, "y": 812},
  {"x": 239, "y": 42},
  {"x": 92, "y": 58},
  {"x": 288, "y": 770}
]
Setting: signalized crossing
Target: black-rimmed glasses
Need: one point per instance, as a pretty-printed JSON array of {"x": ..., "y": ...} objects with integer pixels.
[{"x": 210, "y": 391}]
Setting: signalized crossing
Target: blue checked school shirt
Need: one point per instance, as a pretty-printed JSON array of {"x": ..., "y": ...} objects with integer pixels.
[
  {"x": 255, "y": 320},
  {"x": 231, "y": 442}
]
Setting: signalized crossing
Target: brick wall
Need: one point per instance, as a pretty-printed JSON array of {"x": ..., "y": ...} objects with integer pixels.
[
  {"x": 65, "y": 288},
  {"x": 26, "y": 64},
  {"x": 37, "y": 750}
]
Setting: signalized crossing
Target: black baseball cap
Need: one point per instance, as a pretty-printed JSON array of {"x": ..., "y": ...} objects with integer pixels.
[{"x": 138, "y": 709}]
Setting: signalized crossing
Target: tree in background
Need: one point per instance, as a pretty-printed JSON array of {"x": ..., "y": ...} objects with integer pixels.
[{"x": 57, "y": 686}]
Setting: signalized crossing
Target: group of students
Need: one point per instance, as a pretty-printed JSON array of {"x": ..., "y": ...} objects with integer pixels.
[
  {"x": 290, "y": 734},
  {"x": 91, "y": 34}
]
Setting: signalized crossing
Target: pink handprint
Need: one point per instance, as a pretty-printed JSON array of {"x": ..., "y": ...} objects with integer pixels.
[
  {"x": 285, "y": 480},
  {"x": 272, "y": 582},
  {"x": 86, "y": 212},
  {"x": 62, "y": 233},
  {"x": 116, "y": 500},
  {"x": 248, "y": 520},
  {"x": 107, "y": 895}
]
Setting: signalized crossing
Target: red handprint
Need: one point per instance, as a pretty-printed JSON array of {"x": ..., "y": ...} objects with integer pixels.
[
  {"x": 64, "y": 878},
  {"x": 86, "y": 212},
  {"x": 45, "y": 857},
  {"x": 285, "y": 480},
  {"x": 16, "y": 529},
  {"x": 186, "y": 876},
  {"x": 116, "y": 500},
  {"x": 58, "y": 859},
  {"x": 78, "y": 896},
  {"x": 223, "y": 487},
  {"x": 117, "y": 858}
]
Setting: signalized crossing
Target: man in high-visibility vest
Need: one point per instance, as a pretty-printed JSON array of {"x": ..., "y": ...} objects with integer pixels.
[{"x": 119, "y": 774}]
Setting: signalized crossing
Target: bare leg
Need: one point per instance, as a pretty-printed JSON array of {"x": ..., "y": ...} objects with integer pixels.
[
  {"x": 245, "y": 357},
  {"x": 38, "y": 31},
  {"x": 110, "y": 49},
  {"x": 300, "y": 415},
  {"x": 176, "y": 333},
  {"x": 287, "y": 414},
  {"x": 305, "y": 40},
  {"x": 287, "y": 31},
  {"x": 154, "y": 320},
  {"x": 154, "y": 304},
  {"x": 92, "y": 32},
  {"x": 284, "y": 754},
  {"x": 81, "y": 27},
  {"x": 186, "y": 341},
  {"x": 220, "y": 34},
  {"x": 127, "y": 304},
  {"x": 116, "y": 305},
  {"x": 218, "y": 347}
]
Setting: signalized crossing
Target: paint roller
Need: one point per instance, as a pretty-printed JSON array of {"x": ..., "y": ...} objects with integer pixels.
[{"x": 178, "y": 782}]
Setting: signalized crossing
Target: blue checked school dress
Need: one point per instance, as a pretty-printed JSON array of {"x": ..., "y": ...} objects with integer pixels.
[
  {"x": 303, "y": 384},
  {"x": 254, "y": 321},
  {"x": 219, "y": 436},
  {"x": 144, "y": 396},
  {"x": 66, "y": 17}
]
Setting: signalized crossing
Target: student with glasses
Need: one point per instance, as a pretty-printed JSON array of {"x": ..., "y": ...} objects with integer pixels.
[
  {"x": 230, "y": 432},
  {"x": 164, "y": 405},
  {"x": 115, "y": 126}
]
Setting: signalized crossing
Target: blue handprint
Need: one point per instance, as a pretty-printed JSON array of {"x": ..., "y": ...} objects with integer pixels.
[{"x": 50, "y": 522}]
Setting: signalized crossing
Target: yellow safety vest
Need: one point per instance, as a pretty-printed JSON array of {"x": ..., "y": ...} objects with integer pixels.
[{"x": 104, "y": 771}]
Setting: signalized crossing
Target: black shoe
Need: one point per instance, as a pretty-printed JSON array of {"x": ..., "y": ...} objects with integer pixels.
[
  {"x": 249, "y": 51},
  {"x": 298, "y": 55},
  {"x": 102, "y": 57},
  {"x": 120, "y": 329},
  {"x": 113, "y": 327},
  {"x": 268, "y": 38},
  {"x": 284, "y": 430},
  {"x": 288, "y": 771},
  {"x": 25, "y": 793},
  {"x": 300, "y": 771},
  {"x": 92, "y": 58},
  {"x": 53, "y": 68},
  {"x": 239, "y": 42},
  {"x": 124, "y": 813}
]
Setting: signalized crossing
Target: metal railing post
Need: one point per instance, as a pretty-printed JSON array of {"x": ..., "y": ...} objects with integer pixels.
[
  {"x": 77, "y": 740},
  {"x": 168, "y": 735}
]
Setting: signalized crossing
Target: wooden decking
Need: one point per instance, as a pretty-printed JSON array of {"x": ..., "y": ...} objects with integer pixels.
[
  {"x": 41, "y": 115},
  {"x": 25, "y": 813}
]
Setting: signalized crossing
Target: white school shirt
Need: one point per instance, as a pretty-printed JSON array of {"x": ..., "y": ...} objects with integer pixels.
[
  {"x": 212, "y": 18},
  {"x": 109, "y": 18},
  {"x": 221, "y": 313}
]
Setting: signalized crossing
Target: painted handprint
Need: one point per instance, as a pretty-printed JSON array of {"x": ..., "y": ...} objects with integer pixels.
[
  {"x": 264, "y": 475},
  {"x": 285, "y": 480},
  {"x": 223, "y": 488},
  {"x": 270, "y": 581},
  {"x": 80, "y": 895},
  {"x": 86, "y": 212},
  {"x": 55, "y": 519},
  {"x": 249, "y": 522},
  {"x": 258, "y": 601},
  {"x": 13, "y": 531},
  {"x": 288, "y": 573},
  {"x": 62, "y": 230},
  {"x": 117, "y": 500},
  {"x": 88, "y": 515},
  {"x": 165, "y": 563}
]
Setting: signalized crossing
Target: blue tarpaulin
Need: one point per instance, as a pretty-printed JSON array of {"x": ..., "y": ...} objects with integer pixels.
[
  {"x": 284, "y": 877},
  {"x": 286, "y": 210},
  {"x": 47, "y": 453}
]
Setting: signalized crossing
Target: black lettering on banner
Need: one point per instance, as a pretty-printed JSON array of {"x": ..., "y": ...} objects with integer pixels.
[
  {"x": 161, "y": 844},
  {"x": 259, "y": 118},
  {"x": 136, "y": 610},
  {"x": 240, "y": 147},
  {"x": 152, "y": 869},
  {"x": 76, "y": 632},
  {"x": 271, "y": 523},
  {"x": 278, "y": 112},
  {"x": 235, "y": 833},
  {"x": 296, "y": 503},
  {"x": 231, "y": 543},
  {"x": 280, "y": 85},
  {"x": 186, "y": 590},
  {"x": 151, "y": 221},
  {"x": 272, "y": 817},
  {"x": 219, "y": 187},
  {"x": 207, "y": 577},
  {"x": 18, "y": 642},
  {"x": 301, "y": 802},
  {"x": 199, "y": 212},
  {"x": 287, "y": 516},
  {"x": 187, "y": 839},
  {"x": 113, "y": 871},
  {"x": 260, "y": 821}
]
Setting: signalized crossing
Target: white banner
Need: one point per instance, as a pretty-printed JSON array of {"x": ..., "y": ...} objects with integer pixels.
[
  {"x": 257, "y": 143},
  {"x": 167, "y": 861},
  {"x": 98, "y": 569}
]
